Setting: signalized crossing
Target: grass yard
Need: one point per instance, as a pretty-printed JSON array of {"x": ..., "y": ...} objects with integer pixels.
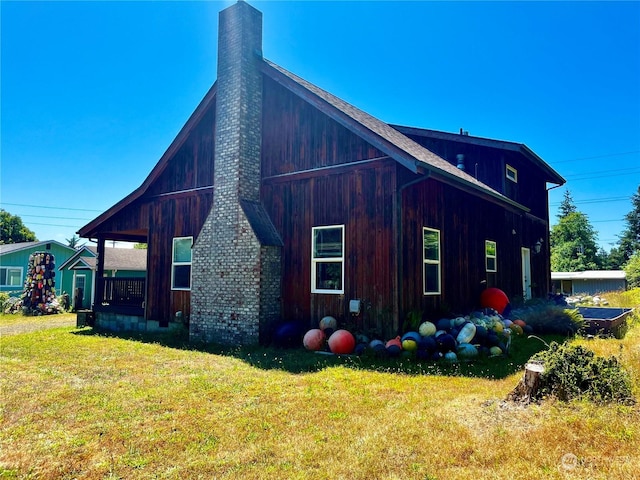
[{"x": 79, "y": 404}]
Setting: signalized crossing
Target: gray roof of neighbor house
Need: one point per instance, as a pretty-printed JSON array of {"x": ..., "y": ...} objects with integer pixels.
[
  {"x": 15, "y": 247},
  {"x": 114, "y": 259},
  {"x": 590, "y": 275}
]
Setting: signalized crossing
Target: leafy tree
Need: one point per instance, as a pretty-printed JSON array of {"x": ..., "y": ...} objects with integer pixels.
[
  {"x": 573, "y": 244},
  {"x": 632, "y": 269},
  {"x": 567, "y": 206},
  {"x": 140, "y": 246},
  {"x": 12, "y": 230},
  {"x": 74, "y": 242}
]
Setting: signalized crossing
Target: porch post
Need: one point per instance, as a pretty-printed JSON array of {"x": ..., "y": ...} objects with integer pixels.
[{"x": 99, "y": 274}]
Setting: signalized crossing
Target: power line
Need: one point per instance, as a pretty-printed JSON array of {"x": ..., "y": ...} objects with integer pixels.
[
  {"x": 53, "y": 208},
  {"x": 54, "y": 225},
  {"x": 596, "y": 200},
  {"x": 598, "y": 174},
  {"x": 599, "y": 156},
  {"x": 57, "y": 218}
]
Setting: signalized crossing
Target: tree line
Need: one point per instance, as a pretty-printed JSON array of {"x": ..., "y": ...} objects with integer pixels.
[{"x": 574, "y": 245}]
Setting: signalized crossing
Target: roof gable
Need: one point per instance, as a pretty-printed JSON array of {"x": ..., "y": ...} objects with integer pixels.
[
  {"x": 381, "y": 135},
  {"x": 521, "y": 148},
  {"x": 89, "y": 229}
]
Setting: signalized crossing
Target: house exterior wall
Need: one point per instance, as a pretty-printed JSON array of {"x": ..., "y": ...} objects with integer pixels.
[
  {"x": 488, "y": 164},
  {"x": 361, "y": 199},
  {"x": 465, "y": 222},
  {"x": 20, "y": 259},
  {"x": 591, "y": 286}
]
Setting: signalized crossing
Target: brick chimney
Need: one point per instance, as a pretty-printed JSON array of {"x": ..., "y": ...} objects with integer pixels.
[{"x": 235, "y": 294}]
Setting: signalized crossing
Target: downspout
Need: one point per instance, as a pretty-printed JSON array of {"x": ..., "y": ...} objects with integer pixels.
[{"x": 398, "y": 240}]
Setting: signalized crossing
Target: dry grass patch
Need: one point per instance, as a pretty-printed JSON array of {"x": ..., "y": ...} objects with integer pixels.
[{"x": 94, "y": 407}]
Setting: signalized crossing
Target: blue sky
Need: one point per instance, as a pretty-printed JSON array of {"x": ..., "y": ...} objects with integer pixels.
[{"x": 94, "y": 92}]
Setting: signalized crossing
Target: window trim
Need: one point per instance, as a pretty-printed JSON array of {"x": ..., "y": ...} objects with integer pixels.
[
  {"x": 8, "y": 268},
  {"x": 487, "y": 256},
  {"x": 511, "y": 173},
  {"x": 428, "y": 261},
  {"x": 316, "y": 261},
  {"x": 175, "y": 264}
]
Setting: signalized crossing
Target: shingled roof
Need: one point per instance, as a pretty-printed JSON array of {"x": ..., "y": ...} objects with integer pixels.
[{"x": 381, "y": 135}]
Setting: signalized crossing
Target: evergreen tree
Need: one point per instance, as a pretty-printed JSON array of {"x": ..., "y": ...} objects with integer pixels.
[
  {"x": 573, "y": 244},
  {"x": 74, "y": 242},
  {"x": 567, "y": 205},
  {"x": 12, "y": 230}
]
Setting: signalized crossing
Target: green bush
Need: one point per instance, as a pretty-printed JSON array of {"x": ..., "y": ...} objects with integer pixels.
[
  {"x": 547, "y": 317},
  {"x": 4, "y": 297},
  {"x": 575, "y": 372},
  {"x": 632, "y": 269}
]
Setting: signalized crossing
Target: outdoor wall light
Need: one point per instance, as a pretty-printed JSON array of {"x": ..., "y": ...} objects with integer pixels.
[{"x": 538, "y": 245}]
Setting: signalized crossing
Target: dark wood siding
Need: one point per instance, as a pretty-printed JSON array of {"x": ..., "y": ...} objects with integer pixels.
[
  {"x": 361, "y": 199},
  {"x": 465, "y": 222},
  {"x": 298, "y": 137},
  {"x": 488, "y": 164},
  {"x": 169, "y": 218},
  {"x": 192, "y": 165}
]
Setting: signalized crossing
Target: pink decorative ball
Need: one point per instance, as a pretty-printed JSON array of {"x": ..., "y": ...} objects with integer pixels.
[
  {"x": 342, "y": 342},
  {"x": 313, "y": 339}
]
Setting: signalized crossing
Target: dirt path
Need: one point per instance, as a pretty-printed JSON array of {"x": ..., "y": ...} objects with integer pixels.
[{"x": 32, "y": 324}]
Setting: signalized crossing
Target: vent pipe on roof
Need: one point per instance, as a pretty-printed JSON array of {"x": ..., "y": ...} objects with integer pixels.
[
  {"x": 460, "y": 158},
  {"x": 464, "y": 132}
]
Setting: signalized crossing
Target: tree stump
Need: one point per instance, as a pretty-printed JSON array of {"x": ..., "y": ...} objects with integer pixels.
[{"x": 529, "y": 384}]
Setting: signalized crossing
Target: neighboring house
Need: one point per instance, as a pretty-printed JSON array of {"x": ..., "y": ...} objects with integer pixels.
[
  {"x": 120, "y": 263},
  {"x": 278, "y": 201},
  {"x": 14, "y": 261},
  {"x": 589, "y": 282}
]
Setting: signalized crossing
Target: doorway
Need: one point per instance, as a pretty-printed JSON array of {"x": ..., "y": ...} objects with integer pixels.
[{"x": 526, "y": 273}]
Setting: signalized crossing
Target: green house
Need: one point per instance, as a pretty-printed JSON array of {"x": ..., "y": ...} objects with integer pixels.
[
  {"x": 129, "y": 263},
  {"x": 14, "y": 261}
]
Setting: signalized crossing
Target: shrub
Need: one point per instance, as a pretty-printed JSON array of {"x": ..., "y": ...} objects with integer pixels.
[
  {"x": 4, "y": 297},
  {"x": 575, "y": 372},
  {"x": 632, "y": 269},
  {"x": 548, "y": 317}
]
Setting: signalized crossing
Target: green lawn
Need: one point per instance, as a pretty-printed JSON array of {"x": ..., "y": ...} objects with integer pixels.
[{"x": 79, "y": 404}]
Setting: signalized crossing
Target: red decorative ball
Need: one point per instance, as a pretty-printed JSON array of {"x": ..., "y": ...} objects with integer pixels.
[
  {"x": 342, "y": 342},
  {"x": 313, "y": 339},
  {"x": 494, "y": 298}
]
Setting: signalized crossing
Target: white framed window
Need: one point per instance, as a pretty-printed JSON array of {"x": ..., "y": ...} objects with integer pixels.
[
  {"x": 327, "y": 259},
  {"x": 11, "y": 276},
  {"x": 181, "y": 263},
  {"x": 512, "y": 174},
  {"x": 431, "y": 261},
  {"x": 490, "y": 255}
]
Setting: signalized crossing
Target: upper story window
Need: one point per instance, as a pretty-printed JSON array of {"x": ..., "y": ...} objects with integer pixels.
[
  {"x": 11, "y": 276},
  {"x": 512, "y": 174},
  {"x": 327, "y": 259},
  {"x": 181, "y": 263},
  {"x": 431, "y": 261},
  {"x": 490, "y": 252}
]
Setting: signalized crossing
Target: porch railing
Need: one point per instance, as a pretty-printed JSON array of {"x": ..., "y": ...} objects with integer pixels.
[{"x": 124, "y": 295}]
